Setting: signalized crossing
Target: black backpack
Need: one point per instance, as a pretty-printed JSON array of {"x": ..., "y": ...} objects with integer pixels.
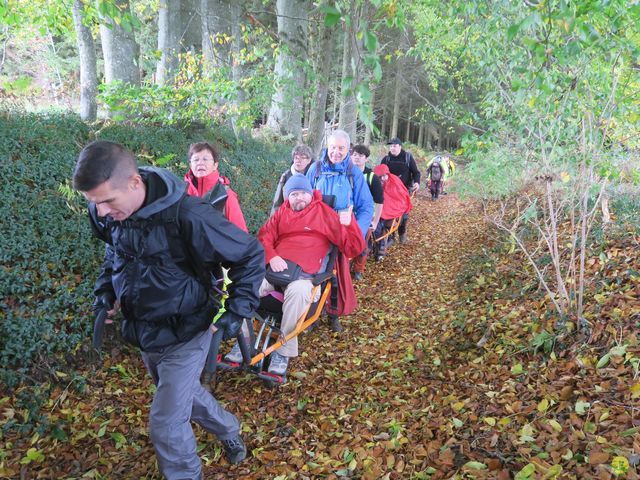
[
  {"x": 217, "y": 197},
  {"x": 179, "y": 249},
  {"x": 436, "y": 171},
  {"x": 406, "y": 159}
]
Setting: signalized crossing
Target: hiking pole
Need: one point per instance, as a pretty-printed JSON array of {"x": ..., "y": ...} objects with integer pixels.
[
  {"x": 211, "y": 365},
  {"x": 98, "y": 327}
]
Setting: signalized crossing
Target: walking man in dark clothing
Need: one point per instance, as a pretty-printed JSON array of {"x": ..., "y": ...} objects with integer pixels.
[
  {"x": 162, "y": 247},
  {"x": 402, "y": 164}
]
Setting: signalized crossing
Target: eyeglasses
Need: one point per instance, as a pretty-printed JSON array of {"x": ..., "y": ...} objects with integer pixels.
[{"x": 201, "y": 160}]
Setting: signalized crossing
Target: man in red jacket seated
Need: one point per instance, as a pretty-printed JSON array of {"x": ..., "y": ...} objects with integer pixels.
[{"x": 302, "y": 230}]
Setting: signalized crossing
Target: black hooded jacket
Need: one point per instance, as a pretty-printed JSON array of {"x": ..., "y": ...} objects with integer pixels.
[
  {"x": 161, "y": 303},
  {"x": 403, "y": 166}
]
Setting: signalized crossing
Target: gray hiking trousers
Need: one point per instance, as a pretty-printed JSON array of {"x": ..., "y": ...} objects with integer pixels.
[{"x": 180, "y": 398}]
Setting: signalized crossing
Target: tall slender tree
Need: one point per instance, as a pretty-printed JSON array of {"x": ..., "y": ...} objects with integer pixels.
[
  {"x": 323, "y": 53},
  {"x": 88, "y": 68},
  {"x": 169, "y": 27}
]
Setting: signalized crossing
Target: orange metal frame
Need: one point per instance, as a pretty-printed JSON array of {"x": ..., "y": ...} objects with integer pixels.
[{"x": 303, "y": 323}]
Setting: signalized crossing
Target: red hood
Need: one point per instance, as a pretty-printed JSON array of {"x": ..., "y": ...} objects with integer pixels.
[{"x": 397, "y": 200}]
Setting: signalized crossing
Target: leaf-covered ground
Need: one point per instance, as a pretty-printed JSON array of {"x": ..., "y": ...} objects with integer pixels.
[{"x": 405, "y": 391}]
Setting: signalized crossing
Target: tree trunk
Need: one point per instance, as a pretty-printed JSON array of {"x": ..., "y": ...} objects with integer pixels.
[
  {"x": 421, "y": 135},
  {"x": 120, "y": 50},
  {"x": 285, "y": 114},
  {"x": 396, "y": 102},
  {"x": 207, "y": 40},
  {"x": 319, "y": 104},
  {"x": 169, "y": 26},
  {"x": 407, "y": 135},
  {"x": 367, "y": 128},
  {"x": 215, "y": 21},
  {"x": 351, "y": 68},
  {"x": 385, "y": 111},
  {"x": 88, "y": 69},
  {"x": 237, "y": 72},
  {"x": 189, "y": 34}
]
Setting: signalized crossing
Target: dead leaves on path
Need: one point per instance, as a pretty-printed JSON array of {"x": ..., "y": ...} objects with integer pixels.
[{"x": 405, "y": 391}]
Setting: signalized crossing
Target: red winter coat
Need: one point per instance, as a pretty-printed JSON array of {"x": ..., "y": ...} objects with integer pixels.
[
  {"x": 199, "y": 187},
  {"x": 397, "y": 201},
  {"x": 304, "y": 237}
]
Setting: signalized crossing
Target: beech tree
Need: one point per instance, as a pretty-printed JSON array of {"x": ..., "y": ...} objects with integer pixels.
[
  {"x": 285, "y": 113},
  {"x": 119, "y": 47},
  {"x": 169, "y": 28}
]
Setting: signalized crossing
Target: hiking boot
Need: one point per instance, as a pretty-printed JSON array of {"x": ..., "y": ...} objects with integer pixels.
[
  {"x": 379, "y": 258},
  {"x": 357, "y": 276},
  {"x": 234, "y": 449},
  {"x": 403, "y": 238},
  {"x": 278, "y": 364},
  {"x": 235, "y": 355},
  {"x": 335, "y": 323}
]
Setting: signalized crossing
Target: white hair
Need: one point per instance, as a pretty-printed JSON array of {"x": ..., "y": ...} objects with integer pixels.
[{"x": 340, "y": 134}]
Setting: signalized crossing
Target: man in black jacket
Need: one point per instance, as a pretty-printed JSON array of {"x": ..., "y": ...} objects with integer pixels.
[
  {"x": 161, "y": 249},
  {"x": 402, "y": 164}
]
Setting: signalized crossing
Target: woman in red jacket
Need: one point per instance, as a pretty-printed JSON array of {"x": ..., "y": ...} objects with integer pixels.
[{"x": 204, "y": 179}]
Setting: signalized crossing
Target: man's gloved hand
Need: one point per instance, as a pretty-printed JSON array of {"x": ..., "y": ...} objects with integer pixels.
[
  {"x": 104, "y": 300},
  {"x": 230, "y": 324}
]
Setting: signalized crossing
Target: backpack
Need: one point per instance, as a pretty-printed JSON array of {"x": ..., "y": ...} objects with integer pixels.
[
  {"x": 318, "y": 172},
  {"x": 436, "y": 171},
  {"x": 217, "y": 197},
  {"x": 178, "y": 248},
  {"x": 406, "y": 159}
]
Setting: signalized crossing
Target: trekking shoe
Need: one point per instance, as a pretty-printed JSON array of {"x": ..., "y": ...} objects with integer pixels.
[
  {"x": 335, "y": 323},
  {"x": 403, "y": 238},
  {"x": 379, "y": 258},
  {"x": 235, "y": 355},
  {"x": 278, "y": 364},
  {"x": 234, "y": 449},
  {"x": 357, "y": 276}
]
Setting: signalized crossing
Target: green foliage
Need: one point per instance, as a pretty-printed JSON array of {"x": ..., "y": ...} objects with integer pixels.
[
  {"x": 49, "y": 258},
  {"x": 195, "y": 96}
]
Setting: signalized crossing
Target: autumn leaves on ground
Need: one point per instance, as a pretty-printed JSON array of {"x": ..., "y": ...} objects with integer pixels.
[{"x": 444, "y": 371}]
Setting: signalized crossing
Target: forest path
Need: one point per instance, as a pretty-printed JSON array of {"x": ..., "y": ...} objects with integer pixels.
[{"x": 368, "y": 402}]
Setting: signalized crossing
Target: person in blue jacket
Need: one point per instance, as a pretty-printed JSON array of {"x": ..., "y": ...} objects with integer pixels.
[{"x": 335, "y": 174}]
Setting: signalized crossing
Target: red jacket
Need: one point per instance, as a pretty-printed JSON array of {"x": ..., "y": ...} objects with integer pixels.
[
  {"x": 304, "y": 237},
  {"x": 199, "y": 187},
  {"x": 397, "y": 200}
]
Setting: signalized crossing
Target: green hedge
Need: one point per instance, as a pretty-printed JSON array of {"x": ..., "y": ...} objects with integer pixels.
[{"x": 49, "y": 260}]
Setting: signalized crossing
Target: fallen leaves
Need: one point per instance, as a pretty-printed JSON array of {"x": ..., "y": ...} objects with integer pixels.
[{"x": 406, "y": 391}]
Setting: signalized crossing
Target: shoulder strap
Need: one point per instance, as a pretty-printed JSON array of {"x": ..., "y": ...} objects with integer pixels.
[
  {"x": 406, "y": 158},
  {"x": 217, "y": 197},
  {"x": 179, "y": 248},
  {"x": 316, "y": 175},
  {"x": 369, "y": 177},
  {"x": 350, "y": 174}
]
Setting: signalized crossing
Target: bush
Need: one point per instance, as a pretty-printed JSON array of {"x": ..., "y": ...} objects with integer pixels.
[{"x": 49, "y": 258}]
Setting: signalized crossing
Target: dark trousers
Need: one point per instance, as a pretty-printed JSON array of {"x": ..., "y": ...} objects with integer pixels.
[
  {"x": 435, "y": 188},
  {"x": 402, "y": 228}
]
